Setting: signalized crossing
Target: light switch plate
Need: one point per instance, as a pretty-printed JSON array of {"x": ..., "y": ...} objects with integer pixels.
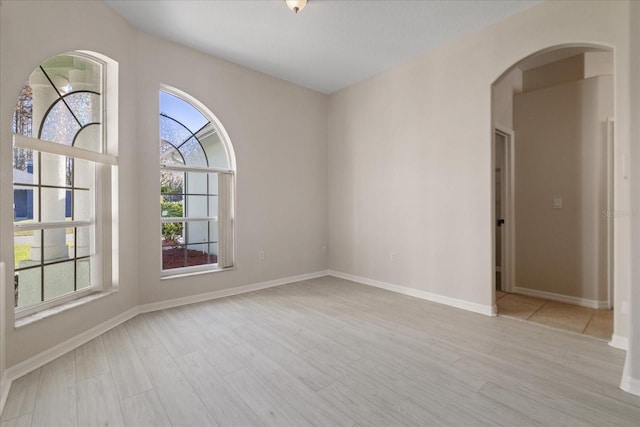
[{"x": 557, "y": 202}]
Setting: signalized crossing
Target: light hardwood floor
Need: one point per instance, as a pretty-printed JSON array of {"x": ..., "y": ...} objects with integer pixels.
[{"x": 326, "y": 352}]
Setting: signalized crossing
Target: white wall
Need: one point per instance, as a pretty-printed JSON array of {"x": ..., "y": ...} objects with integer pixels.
[
  {"x": 561, "y": 152},
  {"x": 30, "y": 33},
  {"x": 278, "y": 130},
  {"x": 631, "y": 376},
  {"x": 502, "y": 98},
  {"x": 410, "y": 161}
]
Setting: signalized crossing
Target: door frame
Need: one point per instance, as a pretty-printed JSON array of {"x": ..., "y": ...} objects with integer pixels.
[
  {"x": 610, "y": 140},
  {"x": 507, "y": 234}
]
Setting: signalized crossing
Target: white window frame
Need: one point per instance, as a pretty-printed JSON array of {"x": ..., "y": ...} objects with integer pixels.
[
  {"x": 204, "y": 267},
  {"x": 226, "y": 199},
  {"x": 101, "y": 274}
]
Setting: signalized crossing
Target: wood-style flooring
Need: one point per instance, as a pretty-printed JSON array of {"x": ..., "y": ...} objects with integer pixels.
[{"x": 326, "y": 352}]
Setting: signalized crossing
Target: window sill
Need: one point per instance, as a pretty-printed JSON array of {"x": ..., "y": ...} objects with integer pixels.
[
  {"x": 46, "y": 313},
  {"x": 195, "y": 273}
]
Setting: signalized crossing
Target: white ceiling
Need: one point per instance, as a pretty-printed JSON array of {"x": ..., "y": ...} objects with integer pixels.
[{"x": 329, "y": 45}]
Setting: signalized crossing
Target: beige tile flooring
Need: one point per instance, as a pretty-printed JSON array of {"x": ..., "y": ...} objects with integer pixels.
[{"x": 583, "y": 320}]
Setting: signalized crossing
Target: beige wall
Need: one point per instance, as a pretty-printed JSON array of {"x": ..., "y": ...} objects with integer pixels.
[
  {"x": 502, "y": 98},
  {"x": 561, "y": 152},
  {"x": 29, "y": 34},
  {"x": 409, "y": 157},
  {"x": 598, "y": 64},
  {"x": 631, "y": 377},
  {"x": 278, "y": 130},
  {"x": 555, "y": 73},
  {"x": 411, "y": 163}
]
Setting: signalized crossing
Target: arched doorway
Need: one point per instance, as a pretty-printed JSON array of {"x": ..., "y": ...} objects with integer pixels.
[{"x": 553, "y": 156}]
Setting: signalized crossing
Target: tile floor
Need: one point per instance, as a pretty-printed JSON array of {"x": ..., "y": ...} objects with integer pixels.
[{"x": 583, "y": 320}]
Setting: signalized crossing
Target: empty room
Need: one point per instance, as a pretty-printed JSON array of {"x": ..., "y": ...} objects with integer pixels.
[{"x": 319, "y": 212}]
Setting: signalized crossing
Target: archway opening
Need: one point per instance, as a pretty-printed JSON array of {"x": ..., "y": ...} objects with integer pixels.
[{"x": 552, "y": 121}]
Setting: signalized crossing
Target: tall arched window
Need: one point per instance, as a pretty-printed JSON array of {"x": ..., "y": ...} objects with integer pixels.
[
  {"x": 60, "y": 168},
  {"x": 196, "y": 187}
]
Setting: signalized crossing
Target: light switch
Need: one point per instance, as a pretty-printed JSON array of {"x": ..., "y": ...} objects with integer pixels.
[{"x": 557, "y": 203}]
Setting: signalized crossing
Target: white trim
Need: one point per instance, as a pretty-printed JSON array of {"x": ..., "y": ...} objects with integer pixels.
[
  {"x": 508, "y": 203},
  {"x": 50, "y": 225},
  {"x": 610, "y": 208},
  {"x": 630, "y": 385},
  {"x": 41, "y": 359},
  {"x": 621, "y": 343},
  {"x": 63, "y": 150},
  {"x": 192, "y": 299},
  {"x": 5, "y": 387},
  {"x": 200, "y": 169},
  {"x": 168, "y": 219},
  {"x": 582, "y": 302},
  {"x": 487, "y": 310}
]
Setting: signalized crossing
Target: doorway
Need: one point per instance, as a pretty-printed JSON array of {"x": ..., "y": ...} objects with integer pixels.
[
  {"x": 503, "y": 142},
  {"x": 557, "y": 258}
]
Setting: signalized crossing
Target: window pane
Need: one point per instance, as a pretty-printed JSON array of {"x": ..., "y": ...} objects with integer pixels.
[
  {"x": 79, "y": 241},
  {"x": 198, "y": 255},
  {"x": 182, "y": 111},
  {"x": 213, "y": 252},
  {"x": 90, "y": 138},
  {"x": 82, "y": 206},
  {"x": 173, "y": 132},
  {"x": 22, "y": 243},
  {"x": 85, "y": 107},
  {"x": 83, "y": 274},
  {"x": 197, "y": 232},
  {"x": 173, "y": 257},
  {"x": 59, "y": 125},
  {"x": 79, "y": 73},
  {"x": 172, "y": 234},
  {"x": 213, "y": 183},
  {"x": 22, "y": 166},
  {"x": 58, "y": 279},
  {"x": 213, "y": 231},
  {"x": 54, "y": 204},
  {"x": 171, "y": 184},
  {"x": 196, "y": 183},
  {"x": 56, "y": 245},
  {"x": 54, "y": 170},
  {"x": 85, "y": 173},
  {"x": 213, "y": 206},
  {"x": 193, "y": 153},
  {"x": 169, "y": 155},
  {"x": 28, "y": 287},
  {"x": 196, "y": 206},
  {"x": 23, "y": 203},
  {"x": 215, "y": 149}
]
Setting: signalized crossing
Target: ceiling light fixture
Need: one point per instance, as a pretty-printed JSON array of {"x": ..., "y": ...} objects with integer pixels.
[{"x": 296, "y": 5}]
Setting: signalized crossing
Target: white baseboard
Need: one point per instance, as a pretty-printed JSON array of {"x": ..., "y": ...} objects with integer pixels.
[
  {"x": 583, "y": 302},
  {"x": 5, "y": 386},
  {"x": 49, "y": 355},
  {"x": 488, "y": 310},
  {"x": 41, "y": 359},
  {"x": 630, "y": 385},
  {"x": 161, "y": 305},
  {"x": 619, "y": 342}
]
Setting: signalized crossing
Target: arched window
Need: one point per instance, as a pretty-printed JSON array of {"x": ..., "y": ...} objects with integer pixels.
[
  {"x": 60, "y": 166},
  {"x": 196, "y": 187}
]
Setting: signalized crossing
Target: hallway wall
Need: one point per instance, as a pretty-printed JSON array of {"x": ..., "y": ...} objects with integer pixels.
[
  {"x": 561, "y": 152},
  {"x": 411, "y": 162}
]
